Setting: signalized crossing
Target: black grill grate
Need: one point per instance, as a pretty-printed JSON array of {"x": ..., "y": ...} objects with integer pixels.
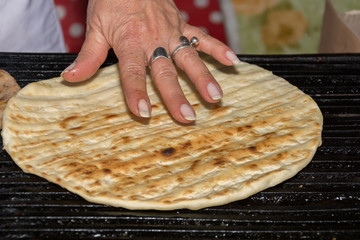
[{"x": 320, "y": 202}]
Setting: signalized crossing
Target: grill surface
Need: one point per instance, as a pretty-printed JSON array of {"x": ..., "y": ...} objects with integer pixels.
[{"x": 320, "y": 202}]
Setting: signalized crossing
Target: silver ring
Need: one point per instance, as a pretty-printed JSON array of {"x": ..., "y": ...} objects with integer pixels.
[
  {"x": 185, "y": 43},
  {"x": 159, "y": 52}
]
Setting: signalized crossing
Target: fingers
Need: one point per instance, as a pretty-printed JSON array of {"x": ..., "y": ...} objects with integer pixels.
[
  {"x": 164, "y": 75},
  {"x": 212, "y": 46},
  {"x": 189, "y": 61},
  {"x": 133, "y": 78},
  {"x": 133, "y": 72},
  {"x": 163, "y": 72},
  {"x": 92, "y": 54}
]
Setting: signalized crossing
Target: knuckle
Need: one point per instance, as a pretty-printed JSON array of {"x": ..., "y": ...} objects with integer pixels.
[
  {"x": 188, "y": 55},
  {"x": 205, "y": 76},
  {"x": 165, "y": 72},
  {"x": 133, "y": 72},
  {"x": 131, "y": 27},
  {"x": 134, "y": 68},
  {"x": 127, "y": 34},
  {"x": 196, "y": 31},
  {"x": 178, "y": 97},
  {"x": 202, "y": 79},
  {"x": 135, "y": 93},
  {"x": 186, "y": 58}
]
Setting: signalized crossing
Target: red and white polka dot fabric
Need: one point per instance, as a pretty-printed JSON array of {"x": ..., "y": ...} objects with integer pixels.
[
  {"x": 205, "y": 14},
  {"x": 72, "y": 15}
]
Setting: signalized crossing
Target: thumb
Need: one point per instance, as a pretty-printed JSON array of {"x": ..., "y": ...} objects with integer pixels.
[{"x": 92, "y": 54}]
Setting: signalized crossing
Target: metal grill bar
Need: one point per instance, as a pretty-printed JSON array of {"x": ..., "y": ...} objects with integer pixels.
[{"x": 320, "y": 202}]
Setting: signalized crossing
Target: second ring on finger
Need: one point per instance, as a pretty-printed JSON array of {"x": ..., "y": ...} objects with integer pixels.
[
  {"x": 186, "y": 58},
  {"x": 184, "y": 43}
]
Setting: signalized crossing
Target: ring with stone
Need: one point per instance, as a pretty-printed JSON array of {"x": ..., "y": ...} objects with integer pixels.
[
  {"x": 185, "y": 43},
  {"x": 159, "y": 52}
]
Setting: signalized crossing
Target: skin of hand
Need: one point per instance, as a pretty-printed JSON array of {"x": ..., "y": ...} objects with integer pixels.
[{"x": 134, "y": 29}]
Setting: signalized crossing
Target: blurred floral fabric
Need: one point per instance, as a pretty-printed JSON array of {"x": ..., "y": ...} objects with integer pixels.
[{"x": 282, "y": 26}]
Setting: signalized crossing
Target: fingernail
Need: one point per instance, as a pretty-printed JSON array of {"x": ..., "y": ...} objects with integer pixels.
[
  {"x": 69, "y": 68},
  {"x": 213, "y": 92},
  {"x": 232, "y": 57},
  {"x": 143, "y": 108},
  {"x": 187, "y": 112}
]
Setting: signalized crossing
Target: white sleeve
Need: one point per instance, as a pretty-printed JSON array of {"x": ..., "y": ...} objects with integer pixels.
[{"x": 30, "y": 26}]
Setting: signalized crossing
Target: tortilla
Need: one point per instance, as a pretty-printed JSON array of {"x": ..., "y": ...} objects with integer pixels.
[
  {"x": 8, "y": 88},
  {"x": 82, "y": 137}
]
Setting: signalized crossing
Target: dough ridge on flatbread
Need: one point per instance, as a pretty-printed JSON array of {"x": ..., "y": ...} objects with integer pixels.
[{"x": 82, "y": 137}]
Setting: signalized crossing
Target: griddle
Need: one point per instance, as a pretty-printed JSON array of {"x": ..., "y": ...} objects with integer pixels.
[{"x": 321, "y": 202}]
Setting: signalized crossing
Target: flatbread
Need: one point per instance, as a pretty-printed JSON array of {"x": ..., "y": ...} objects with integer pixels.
[
  {"x": 8, "y": 88},
  {"x": 82, "y": 137}
]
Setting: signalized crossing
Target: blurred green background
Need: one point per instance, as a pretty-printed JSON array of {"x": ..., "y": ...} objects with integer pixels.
[{"x": 283, "y": 26}]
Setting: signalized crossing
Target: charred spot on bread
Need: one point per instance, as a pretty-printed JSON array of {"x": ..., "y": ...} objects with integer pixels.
[{"x": 168, "y": 151}]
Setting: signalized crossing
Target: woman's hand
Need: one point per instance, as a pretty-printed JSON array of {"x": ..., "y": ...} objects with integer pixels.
[{"x": 134, "y": 29}]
